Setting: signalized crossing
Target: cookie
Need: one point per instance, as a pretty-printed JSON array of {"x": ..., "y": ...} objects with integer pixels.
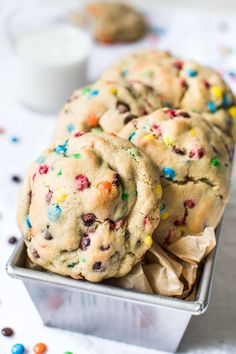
[
  {"x": 181, "y": 85},
  {"x": 88, "y": 207},
  {"x": 116, "y": 22},
  {"x": 106, "y": 106},
  {"x": 194, "y": 166}
]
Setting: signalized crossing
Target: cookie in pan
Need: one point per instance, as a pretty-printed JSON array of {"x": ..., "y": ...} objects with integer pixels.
[
  {"x": 195, "y": 169},
  {"x": 88, "y": 207},
  {"x": 181, "y": 84},
  {"x": 106, "y": 106}
]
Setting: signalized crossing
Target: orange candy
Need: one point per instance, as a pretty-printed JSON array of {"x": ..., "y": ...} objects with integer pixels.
[
  {"x": 40, "y": 348},
  {"x": 104, "y": 186},
  {"x": 92, "y": 120}
]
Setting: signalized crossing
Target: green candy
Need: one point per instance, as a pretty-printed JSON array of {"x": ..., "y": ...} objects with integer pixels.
[
  {"x": 125, "y": 196},
  {"x": 76, "y": 156},
  {"x": 215, "y": 162},
  {"x": 59, "y": 173}
]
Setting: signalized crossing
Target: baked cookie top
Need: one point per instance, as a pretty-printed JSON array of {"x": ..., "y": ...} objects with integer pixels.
[
  {"x": 88, "y": 207},
  {"x": 194, "y": 165},
  {"x": 106, "y": 106},
  {"x": 116, "y": 22},
  {"x": 181, "y": 84}
]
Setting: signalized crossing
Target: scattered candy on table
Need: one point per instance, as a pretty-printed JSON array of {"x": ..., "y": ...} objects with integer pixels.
[
  {"x": 18, "y": 349},
  {"x": 7, "y": 332},
  {"x": 40, "y": 348}
]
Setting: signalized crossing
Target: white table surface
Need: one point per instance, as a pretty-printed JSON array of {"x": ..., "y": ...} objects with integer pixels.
[{"x": 188, "y": 34}]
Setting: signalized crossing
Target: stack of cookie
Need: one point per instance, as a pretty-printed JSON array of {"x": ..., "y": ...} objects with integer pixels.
[{"x": 144, "y": 153}]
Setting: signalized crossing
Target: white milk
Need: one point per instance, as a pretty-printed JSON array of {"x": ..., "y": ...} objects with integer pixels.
[{"x": 51, "y": 64}]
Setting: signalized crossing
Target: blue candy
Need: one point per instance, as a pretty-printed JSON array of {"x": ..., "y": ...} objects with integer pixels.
[
  {"x": 61, "y": 149},
  {"x": 93, "y": 93},
  {"x": 14, "y": 139},
  {"x": 18, "y": 349},
  {"x": 162, "y": 208},
  {"x": 54, "y": 212},
  {"x": 211, "y": 106},
  {"x": 192, "y": 73},
  {"x": 28, "y": 223},
  {"x": 226, "y": 102},
  {"x": 169, "y": 173},
  {"x": 132, "y": 135},
  {"x": 71, "y": 127}
]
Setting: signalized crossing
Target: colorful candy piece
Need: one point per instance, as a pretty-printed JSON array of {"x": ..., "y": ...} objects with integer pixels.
[
  {"x": 148, "y": 241},
  {"x": 232, "y": 111},
  {"x": 125, "y": 196},
  {"x": 148, "y": 137},
  {"x": 18, "y": 349},
  {"x": 60, "y": 196},
  {"x": 40, "y": 159},
  {"x": 93, "y": 93},
  {"x": 158, "y": 191},
  {"x": 169, "y": 173},
  {"x": 54, "y": 212},
  {"x": 217, "y": 92},
  {"x": 189, "y": 203},
  {"x": 192, "y": 72},
  {"x": 211, "y": 106},
  {"x": 61, "y": 149},
  {"x": 81, "y": 182},
  {"x": 92, "y": 120},
  {"x": 104, "y": 186},
  {"x": 43, "y": 169},
  {"x": 86, "y": 90},
  {"x": 113, "y": 91},
  {"x": 40, "y": 348},
  {"x": 7, "y": 332},
  {"x": 197, "y": 153},
  {"x": 132, "y": 136},
  {"x": 70, "y": 127},
  {"x": 78, "y": 134},
  {"x": 215, "y": 162},
  {"x": 28, "y": 223},
  {"x": 165, "y": 215}
]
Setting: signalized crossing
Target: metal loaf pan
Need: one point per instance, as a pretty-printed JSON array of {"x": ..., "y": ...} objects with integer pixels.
[{"x": 147, "y": 320}]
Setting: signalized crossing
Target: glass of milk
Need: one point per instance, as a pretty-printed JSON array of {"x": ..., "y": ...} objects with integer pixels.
[{"x": 50, "y": 56}]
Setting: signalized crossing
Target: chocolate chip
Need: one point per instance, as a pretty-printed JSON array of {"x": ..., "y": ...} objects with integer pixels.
[
  {"x": 98, "y": 267},
  {"x": 138, "y": 243},
  {"x": 12, "y": 240},
  {"x": 122, "y": 107},
  {"x": 116, "y": 180},
  {"x": 127, "y": 235},
  {"x": 7, "y": 332},
  {"x": 49, "y": 197},
  {"x": 16, "y": 179},
  {"x": 35, "y": 254},
  {"x": 47, "y": 235},
  {"x": 88, "y": 219},
  {"x": 183, "y": 114},
  {"x": 178, "y": 151},
  {"x": 129, "y": 118},
  {"x": 105, "y": 248},
  {"x": 84, "y": 243},
  {"x": 112, "y": 225}
]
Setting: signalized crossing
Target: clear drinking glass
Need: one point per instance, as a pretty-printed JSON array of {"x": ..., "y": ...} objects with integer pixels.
[{"x": 50, "y": 53}]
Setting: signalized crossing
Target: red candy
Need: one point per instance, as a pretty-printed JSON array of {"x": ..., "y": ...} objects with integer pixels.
[
  {"x": 81, "y": 182},
  {"x": 78, "y": 134},
  {"x": 43, "y": 169},
  {"x": 34, "y": 175},
  {"x": 189, "y": 203},
  {"x": 171, "y": 113},
  {"x": 178, "y": 65},
  {"x": 156, "y": 129},
  {"x": 198, "y": 153}
]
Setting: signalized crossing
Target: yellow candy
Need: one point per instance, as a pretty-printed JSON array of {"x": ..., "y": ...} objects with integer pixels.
[
  {"x": 148, "y": 137},
  {"x": 113, "y": 90},
  {"x": 60, "y": 196},
  {"x": 232, "y": 111},
  {"x": 165, "y": 215},
  {"x": 217, "y": 91},
  {"x": 168, "y": 141},
  {"x": 158, "y": 190},
  {"x": 148, "y": 241},
  {"x": 192, "y": 132}
]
